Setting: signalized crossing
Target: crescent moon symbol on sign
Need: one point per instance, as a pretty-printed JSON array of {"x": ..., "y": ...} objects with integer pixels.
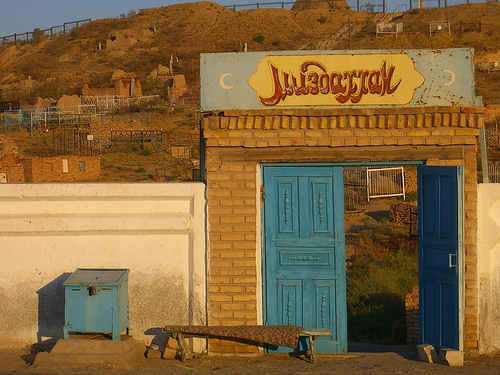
[
  {"x": 222, "y": 83},
  {"x": 452, "y": 77}
]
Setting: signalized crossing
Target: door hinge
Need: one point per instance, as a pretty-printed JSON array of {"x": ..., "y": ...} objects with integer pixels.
[{"x": 262, "y": 195}]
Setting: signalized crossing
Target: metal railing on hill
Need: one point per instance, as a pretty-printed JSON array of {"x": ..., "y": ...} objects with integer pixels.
[
  {"x": 285, "y": 4},
  {"x": 51, "y": 32},
  {"x": 359, "y": 5},
  {"x": 110, "y": 103},
  {"x": 42, "y": 119}
]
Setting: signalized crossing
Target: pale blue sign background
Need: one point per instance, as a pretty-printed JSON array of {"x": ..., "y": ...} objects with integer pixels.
[{"x": 432, "y": 64}]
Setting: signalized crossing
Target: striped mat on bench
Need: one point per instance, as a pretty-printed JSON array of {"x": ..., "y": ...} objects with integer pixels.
[{"x": 270, "y": 335}]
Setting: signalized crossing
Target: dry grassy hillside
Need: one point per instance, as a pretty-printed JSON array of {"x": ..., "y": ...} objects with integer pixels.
[{"x": 140, "y": 42}]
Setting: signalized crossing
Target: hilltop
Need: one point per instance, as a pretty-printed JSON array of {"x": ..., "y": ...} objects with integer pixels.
[{"x": 139, "y": 42}]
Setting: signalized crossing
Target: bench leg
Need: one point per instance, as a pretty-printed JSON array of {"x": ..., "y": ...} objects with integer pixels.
[
  {"x": 184, "y": 351},
  {"x": 313, "y": 348},
  {"x": 310, "y": 351}
]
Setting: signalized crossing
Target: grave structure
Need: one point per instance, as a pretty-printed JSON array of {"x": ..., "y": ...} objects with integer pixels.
[{"x": 123, "y": 85}]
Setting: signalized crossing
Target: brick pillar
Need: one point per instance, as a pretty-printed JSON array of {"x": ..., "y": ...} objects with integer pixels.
[{"x": 231, "y": 193}]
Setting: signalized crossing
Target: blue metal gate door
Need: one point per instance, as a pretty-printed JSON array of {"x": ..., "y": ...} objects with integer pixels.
[
  {"x": 304, "y": 258},
  {"x": 438, "y": 255}
]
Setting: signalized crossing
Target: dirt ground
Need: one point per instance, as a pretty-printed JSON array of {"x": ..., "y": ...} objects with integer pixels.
[{"x": 14, "y": 362}]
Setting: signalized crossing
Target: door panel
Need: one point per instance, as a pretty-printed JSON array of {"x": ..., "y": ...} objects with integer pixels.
[
  {"x": 438, "y": 256},
  {"x": 324, "y": 293},
  {"x": 100, "y": 317},
  {"x": 287, "y": 207},
  {"x": 304, "y": 257},
  {"x": 76, "y": 308},
  {"x": 290, "y": 302}
]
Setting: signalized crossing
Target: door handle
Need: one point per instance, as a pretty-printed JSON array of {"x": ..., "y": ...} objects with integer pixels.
[{"x": 452, "y": 264}]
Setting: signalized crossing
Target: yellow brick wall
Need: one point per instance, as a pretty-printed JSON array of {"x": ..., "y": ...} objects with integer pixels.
[{"x": 238, "y": 142}]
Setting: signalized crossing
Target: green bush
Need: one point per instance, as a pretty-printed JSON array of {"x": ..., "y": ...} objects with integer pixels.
[
  {"x": 376, "y": 289},
  {"x": 411, "y": 196},
  {"x": 259, "y": 38}
]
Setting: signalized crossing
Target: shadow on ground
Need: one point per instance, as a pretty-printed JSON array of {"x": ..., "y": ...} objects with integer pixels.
[
  {"x": 42, "y": 346},
  {"x": 408, "y": 352}
]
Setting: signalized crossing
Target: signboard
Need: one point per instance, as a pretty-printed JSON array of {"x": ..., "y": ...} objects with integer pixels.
[{"x": 333, "y": 79}]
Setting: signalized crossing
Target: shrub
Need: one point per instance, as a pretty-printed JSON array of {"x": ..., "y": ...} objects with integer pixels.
[
  {"x": 376, "y": 289},
  {"x": 322, "y": 19},
  {"x": 259, "y": 38},
  {"x": 276, "y": 43},
  {"x": 411, "y": 196}
]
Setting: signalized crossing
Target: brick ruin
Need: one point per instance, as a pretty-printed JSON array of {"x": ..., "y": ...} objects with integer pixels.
[
  {"x": 176, "y": 83},
  {"x": 11, "y": 169},
  {"x": 65, "y": 168},
  {"x": 238, "y": 141},
  {"x": 123, "y": 84},
  {"x": 17, "y": 168}
]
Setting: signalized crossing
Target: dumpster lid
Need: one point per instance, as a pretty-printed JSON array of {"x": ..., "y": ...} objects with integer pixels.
[{"x": 96, "y": 276}]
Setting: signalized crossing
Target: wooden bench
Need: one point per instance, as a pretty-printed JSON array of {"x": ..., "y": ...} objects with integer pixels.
[
  {"x": 311, "y": 334},
  {"x": 184, "y": 352}
]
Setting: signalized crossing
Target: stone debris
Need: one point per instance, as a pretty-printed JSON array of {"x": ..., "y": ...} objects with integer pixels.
[
  {"x": 445, "y": 356},
  {"x": 427, "y": 353},
  {"x": 162, "y": 347},
  {"x": 451, "y": 357}
]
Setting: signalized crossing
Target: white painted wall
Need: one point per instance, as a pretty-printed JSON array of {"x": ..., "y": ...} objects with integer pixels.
[
  {"x": 488, "y": 246},
  {"x": 49, "y": 230}
]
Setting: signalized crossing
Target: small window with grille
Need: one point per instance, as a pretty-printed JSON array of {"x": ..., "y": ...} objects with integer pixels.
[{"x": 81, "y": 166}]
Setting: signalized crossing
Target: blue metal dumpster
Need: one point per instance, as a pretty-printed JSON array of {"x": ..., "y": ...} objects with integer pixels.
[{"x": 96, "y": 301}]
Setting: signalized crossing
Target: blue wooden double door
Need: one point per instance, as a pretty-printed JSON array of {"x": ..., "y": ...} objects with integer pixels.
[{"x": 304, "y": 251}]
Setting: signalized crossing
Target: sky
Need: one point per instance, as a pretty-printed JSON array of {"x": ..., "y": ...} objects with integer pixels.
[{"x": 17, "y": 16}]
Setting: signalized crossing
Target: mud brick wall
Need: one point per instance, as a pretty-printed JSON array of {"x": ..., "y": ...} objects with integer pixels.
[
  {"x": 9, "y": 160},
  {"x": 238, "y": 141},
  {"x": 13, "y": 168},
  {"x": 7, "y": 146},
  {"x": 411, "y": 183},
  {"x": 412, "y": 320},
  {"x": 50, "y": 169}
]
